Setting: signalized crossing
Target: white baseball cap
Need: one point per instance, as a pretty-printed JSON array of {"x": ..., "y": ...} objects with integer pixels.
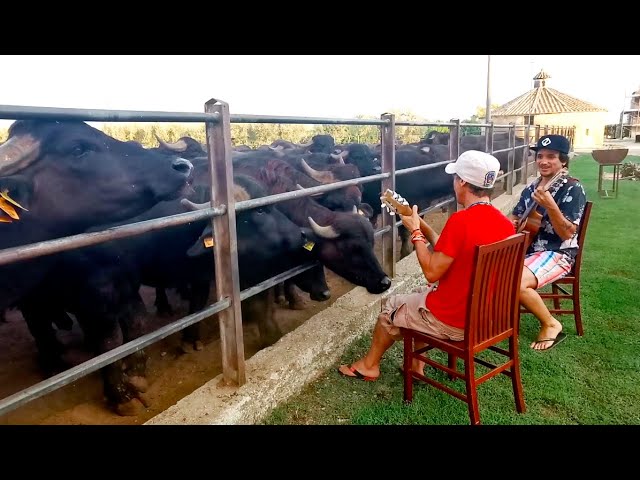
[{"x": 477, "y": 168}]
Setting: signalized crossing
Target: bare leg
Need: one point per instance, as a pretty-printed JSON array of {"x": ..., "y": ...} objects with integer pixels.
[
  {"x": 529, "y": 297},
  {"x": 369, "y": 365},
  {"x": 417, "y": 365}
]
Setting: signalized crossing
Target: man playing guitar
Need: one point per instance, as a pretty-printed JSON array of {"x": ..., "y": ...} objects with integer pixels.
[
  {"x": 555, "y": 202},
  {"x": 440, "y": 312}
]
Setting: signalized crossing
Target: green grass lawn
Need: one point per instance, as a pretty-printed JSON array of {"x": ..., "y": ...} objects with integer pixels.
[{"x": 593, "y": 379}]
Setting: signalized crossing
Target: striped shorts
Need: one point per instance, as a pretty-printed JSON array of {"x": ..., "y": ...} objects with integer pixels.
[{"x": 548, "y": 266}]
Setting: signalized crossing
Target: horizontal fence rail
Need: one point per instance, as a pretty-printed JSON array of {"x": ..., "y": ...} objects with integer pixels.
[
  {"x": 58, "y": 381},
  {"x": 217, "y": 120},
  {"x": 89, "y": 115},
  {"x": 24, "y": 252}
]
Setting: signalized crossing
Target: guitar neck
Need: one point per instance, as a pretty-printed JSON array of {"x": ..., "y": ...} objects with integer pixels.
[{"x": 426, "y": 230}]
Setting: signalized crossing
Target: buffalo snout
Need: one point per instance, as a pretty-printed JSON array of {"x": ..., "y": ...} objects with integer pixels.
[
  {"x": 381, "y": 286},
  {"x": 322, "y": 296}
]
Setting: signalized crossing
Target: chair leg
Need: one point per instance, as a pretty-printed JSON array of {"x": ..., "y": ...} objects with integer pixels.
[
  {"x": 516, "y": 379},
  {"x": 577, "y": 309},
  {"x": 407, "y": 376},
  {"x": 555, "y": 291},
  {"x": 453, "y": 365},
  {"x": 472, "y": 390}
]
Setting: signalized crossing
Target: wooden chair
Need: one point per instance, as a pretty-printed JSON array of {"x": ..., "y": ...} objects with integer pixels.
[
  {"x": 572, "y": 279},
  {"x": 492, "y": 317}
]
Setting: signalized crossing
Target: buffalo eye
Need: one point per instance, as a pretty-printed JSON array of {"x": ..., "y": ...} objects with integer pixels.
[{"x": 79, "y": 150}]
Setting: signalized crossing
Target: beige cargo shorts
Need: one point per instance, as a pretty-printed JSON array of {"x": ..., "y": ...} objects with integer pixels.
[{"x": 408, "y": 310}]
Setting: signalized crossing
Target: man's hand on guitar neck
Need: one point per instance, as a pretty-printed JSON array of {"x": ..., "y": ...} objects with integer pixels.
[
  {"x": 543, "y": 198},
  {"x": 414, "y": 221}
]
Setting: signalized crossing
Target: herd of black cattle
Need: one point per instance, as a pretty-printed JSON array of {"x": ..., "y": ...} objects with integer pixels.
[{"x": 71, "y": 178}]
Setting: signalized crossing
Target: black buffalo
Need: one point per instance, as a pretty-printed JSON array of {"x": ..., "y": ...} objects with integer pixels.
[
  {"x": 343, "y": 241},
  {"x": 100, "y": 284},
  {"x": 70, "y": 176}
]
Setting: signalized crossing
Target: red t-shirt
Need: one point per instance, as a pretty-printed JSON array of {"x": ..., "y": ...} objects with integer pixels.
[{"x": 476, "y": 225}]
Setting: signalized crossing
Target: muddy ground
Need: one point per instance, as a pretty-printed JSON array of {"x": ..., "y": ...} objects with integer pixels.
[{"x": 172, "y": 374}]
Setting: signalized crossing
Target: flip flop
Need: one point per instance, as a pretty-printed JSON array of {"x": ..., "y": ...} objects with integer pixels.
[
  {"x": 357, "y": 374},
  {"x": 560, "y": 337}
]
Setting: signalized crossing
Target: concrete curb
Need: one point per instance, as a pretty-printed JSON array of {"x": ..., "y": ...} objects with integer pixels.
[{"x": 280, "y": 371}]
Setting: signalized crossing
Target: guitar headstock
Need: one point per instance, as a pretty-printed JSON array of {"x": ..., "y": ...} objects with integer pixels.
[{"x": 395, "y": 203}]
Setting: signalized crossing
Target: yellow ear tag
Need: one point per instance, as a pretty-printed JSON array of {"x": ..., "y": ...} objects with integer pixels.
[
  {"x": 208, "y": 242},
  {"x": 8, "y": 209},
  {"x": 5, "y": 194},
  {"x": 309, "y": 245}
]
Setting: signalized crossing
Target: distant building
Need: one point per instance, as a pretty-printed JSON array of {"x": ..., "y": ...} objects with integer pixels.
[
  {"x": 630, "y": 119},
  {"x": 546, "y": 106}
]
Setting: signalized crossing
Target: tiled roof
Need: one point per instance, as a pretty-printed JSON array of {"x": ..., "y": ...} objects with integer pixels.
[{"x": 545, "y": 100}]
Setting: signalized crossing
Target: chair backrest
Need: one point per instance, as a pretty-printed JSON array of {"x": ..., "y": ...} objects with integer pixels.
[
  {"x": 494, "y": 306},
  {"x": 582, "y": 233}
]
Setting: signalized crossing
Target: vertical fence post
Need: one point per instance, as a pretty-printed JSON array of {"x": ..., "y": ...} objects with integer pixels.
[
  {"x": 511, "y": 158},
  {"x": 535, "y": 140},
  {"x": 388, "y": 134},
  {"x": 454, "y": 152},
  {"x": 525, "y": 154},
  {"x": 226, "y": 246},
  {"x": 489, "y": 139}
]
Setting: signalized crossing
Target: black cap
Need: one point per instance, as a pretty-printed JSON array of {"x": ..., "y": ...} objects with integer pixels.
[{"x": 558, "y": 143}]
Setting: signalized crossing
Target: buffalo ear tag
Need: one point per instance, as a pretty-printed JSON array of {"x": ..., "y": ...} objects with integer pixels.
[
  {"x": 208, "y": 242},
  {"x": 308, "y": 246},
  {"x": 8, "y": 209},
  {"x": 5, "y": 194}
]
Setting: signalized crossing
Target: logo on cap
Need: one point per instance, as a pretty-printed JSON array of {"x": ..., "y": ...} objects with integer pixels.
[
  {"x": 489, "y": 178},
  {"x": 545, "y": 142}
]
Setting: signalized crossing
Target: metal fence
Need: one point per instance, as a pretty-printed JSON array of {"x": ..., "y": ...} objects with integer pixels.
[{"x": 217, "y": 120}]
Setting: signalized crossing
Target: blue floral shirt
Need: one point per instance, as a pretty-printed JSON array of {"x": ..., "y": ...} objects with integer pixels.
[{"x": 571, "y": 198}]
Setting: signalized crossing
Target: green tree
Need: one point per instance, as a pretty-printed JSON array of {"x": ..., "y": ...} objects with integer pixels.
[{"x": 481, "y": 112}]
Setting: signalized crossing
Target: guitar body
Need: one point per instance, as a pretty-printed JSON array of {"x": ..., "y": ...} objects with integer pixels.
[{"x": 531, "y": 225}]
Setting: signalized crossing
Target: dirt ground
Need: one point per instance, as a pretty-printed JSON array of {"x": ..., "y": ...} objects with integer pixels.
[{"x": 172, "y": 374}]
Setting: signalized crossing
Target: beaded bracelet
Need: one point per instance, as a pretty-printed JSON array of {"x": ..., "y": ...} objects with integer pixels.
[{"x": 418, "y": 237}]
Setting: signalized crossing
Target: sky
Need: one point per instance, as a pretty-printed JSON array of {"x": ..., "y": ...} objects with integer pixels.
[{"x": 436, "y": 88}]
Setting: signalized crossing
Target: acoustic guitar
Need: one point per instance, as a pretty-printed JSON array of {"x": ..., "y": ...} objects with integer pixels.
[{"x": 530, "y": 220}]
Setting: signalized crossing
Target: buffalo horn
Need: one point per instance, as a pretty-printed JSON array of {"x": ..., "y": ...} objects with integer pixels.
[
  {"x": 179, "y": 146},
  {"x": 327, "y": 232},
  {"x": 338, "y": 158},
  {"x": 194, "y": 206},
  {"x": 321, "y": 176},
  {"x": 17, "y": 153}
]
